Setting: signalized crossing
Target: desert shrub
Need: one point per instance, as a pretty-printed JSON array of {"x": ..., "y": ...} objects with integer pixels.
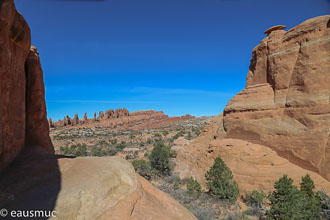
[
  {"x": 237, "y": 215},
  {"x": 255, "y": 211},
  {"x": 189, "y": 137},
  {"x": 255, "y": 198},
  {"x": 160, "y": 159},
  {"x": 176, "y": 184},
  {"x": 141, "y": 144},
  {"x": 287, "y": 202},
  {"x": 114, "y": 141},
  {"x": 196, "y": 131},
  {"x": 79, "y": 150},
  {"x": 324, "y": 202},
  {"x": 177, "y": 135},
  {"x": 111, "y": 152},
  {"x": 194, "y": 188},
  {"x": 149, "y": 141},
  {"x": 96, "y": 152},
  {"x": 66, "y": 150},
  {"x": 120, "y": 146},
  {"x": 142, "y": 167},
  {"x": 203, "y": 212},
  {"x": 102, "y": 142},
  {"x": 220, "y": 183},
  {"x": 165, "y": 133},
  {"x": 128, "y": 157}
]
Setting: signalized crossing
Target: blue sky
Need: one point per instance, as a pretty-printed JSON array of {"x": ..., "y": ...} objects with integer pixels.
[{"x": 178, "y": 56}]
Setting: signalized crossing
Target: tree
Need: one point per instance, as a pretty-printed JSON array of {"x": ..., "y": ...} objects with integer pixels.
[
  {"x": 288, "y": 203},
  {"x": 220, "y": 183},
  {"x": 160, "y": 158},
  {"x": 324, "y": 201},
  {"x": 307, "y": 186},
  {"x": 193, "y": 187}
]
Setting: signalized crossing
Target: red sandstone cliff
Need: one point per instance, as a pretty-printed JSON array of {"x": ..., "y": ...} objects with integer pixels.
[
  {"x": 280, "y": 122},
  {"x": 285, "y": 104},
  {"x": 23, "y": 121}
]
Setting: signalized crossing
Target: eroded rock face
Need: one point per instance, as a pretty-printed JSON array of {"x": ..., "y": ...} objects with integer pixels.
[
  {"x": 254, "y": 166},
  {"x": 37, "y": 128},
  {"x": 21, "y": 89},
  {"x": 285, "y": 104}
]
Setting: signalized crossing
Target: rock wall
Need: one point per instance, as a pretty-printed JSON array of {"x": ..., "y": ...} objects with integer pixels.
[
  {"x": 19, "y": 82},
  {"x": 285, "y": 104}
]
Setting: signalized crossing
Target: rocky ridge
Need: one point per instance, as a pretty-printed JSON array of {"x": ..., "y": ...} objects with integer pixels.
[{"x": 122, "y": 119}]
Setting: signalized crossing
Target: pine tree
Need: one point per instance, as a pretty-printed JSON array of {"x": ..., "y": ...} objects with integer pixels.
[
  {"x": 220, "y": 183},
  {"x": 160, "y": 158},
  {"x": 193, "y": 187},
  {"x": 307, "y": 186},
  {"x": 288, "y": 203}
]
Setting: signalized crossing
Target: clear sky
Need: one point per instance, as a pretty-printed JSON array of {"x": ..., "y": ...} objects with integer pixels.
[{"x": 179, "y": 56}]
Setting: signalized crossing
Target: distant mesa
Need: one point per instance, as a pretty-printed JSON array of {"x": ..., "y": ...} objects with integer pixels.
[
  {"x": 274, "y": 28},
  {"x": 121, "y": 119}
]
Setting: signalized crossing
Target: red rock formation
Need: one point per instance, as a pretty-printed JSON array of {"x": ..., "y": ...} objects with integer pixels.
[
  {"x": 85, "y": 117},
  {"x": 94, "y": 116},
  {"x": 101, "y": 115},
  {"x": 67, "y": 120},
  {"x": 75, "y": 120},
  {"x": 21, "y": 89},
  {"x": 108, "y": 114},
  {"x": 37, "y": 129},
  {"x": 285, "y": 104},
  {"x": 50, "y": 123}
]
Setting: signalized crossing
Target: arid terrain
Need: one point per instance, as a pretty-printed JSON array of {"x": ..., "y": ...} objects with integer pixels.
[
  {"x": 271, "y": 141},
  {"x": 128, "y": 141}
]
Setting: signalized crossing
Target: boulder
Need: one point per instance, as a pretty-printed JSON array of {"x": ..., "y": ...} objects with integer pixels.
[{"x": 86, "y": 188}]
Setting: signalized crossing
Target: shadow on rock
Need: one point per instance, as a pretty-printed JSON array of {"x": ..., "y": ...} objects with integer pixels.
[{"x": 31, "y": 183}]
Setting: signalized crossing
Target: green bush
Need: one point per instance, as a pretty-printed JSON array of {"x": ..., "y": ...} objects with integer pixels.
[
  {"x": 287, "y": 202},
  {"x": 220, "y": 183},
  {"x": 176, "y": 184},
  {"x": 193, "y": 187},
  {"x": 114, "y": 141},
  {"x": 189, "y": 137},
  {"x": 120, "y": 146},
  {"x": 160, "y": 159},
  {"x": 255, "y": 198},
  {"x": 142, "y": 167}
]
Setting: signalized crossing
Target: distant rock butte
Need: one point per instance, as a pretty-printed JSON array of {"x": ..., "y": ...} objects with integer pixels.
[
  {"x": 123, "y": 119},
  {"x": 284, "y": 111}
]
